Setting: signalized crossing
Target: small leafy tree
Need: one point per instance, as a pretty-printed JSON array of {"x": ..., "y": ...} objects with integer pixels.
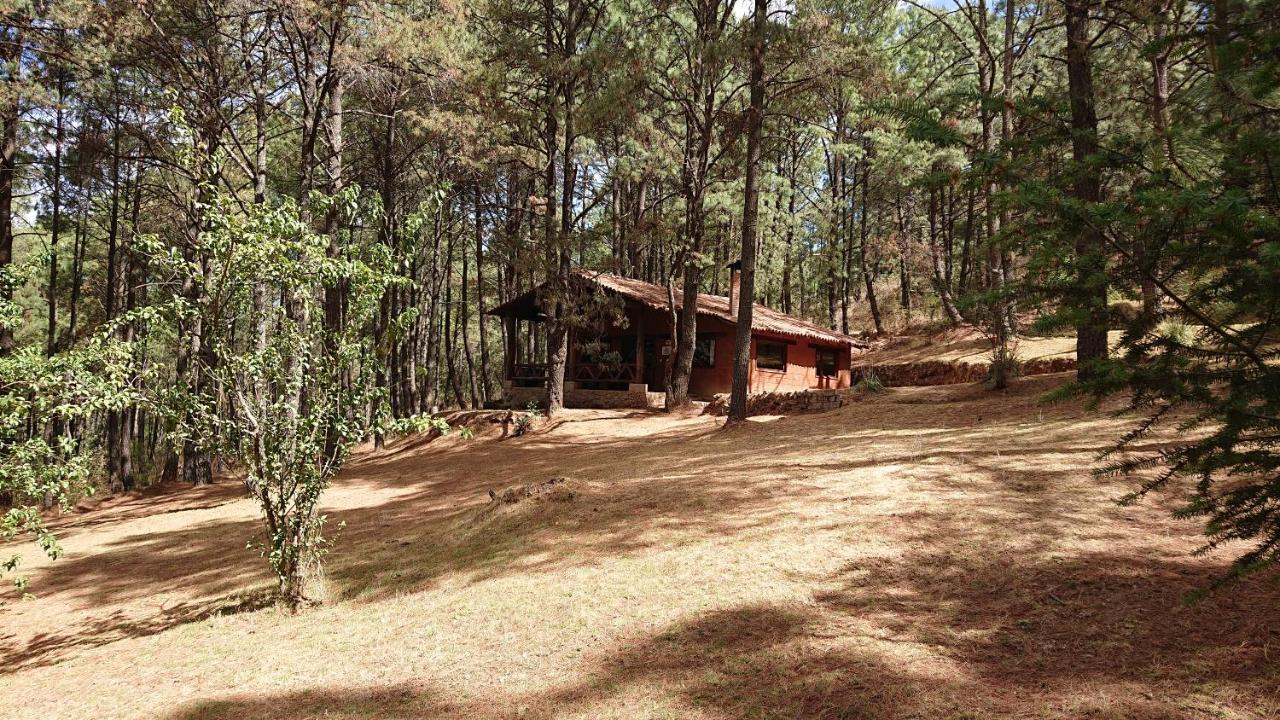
[
  {"x": 290, "y": 395},
  {"x": 43, "y": 461}
]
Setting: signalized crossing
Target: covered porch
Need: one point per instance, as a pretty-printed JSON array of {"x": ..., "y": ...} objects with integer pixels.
[{"x": 620, "y": 362}]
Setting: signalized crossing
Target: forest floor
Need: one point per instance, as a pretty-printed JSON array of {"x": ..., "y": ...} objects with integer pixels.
[
  {"x": 967, "y": 345},
  {"x": 960, "y": 355},
  {"x": 929, "y": 552}
]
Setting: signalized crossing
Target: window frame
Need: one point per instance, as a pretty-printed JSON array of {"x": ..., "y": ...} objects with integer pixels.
[
  {"x": 760, "y": 346},
  {"x": 818, "y": 352},
  {"x": 710, "y": 338}
]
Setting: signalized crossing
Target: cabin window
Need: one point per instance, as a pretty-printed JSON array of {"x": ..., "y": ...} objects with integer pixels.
[
  {"x": 704, "y": 352},
  {"x": 771, "y": 356},
  {"x": 826, "y": 362},
  {"x": 627, "y": 349}
]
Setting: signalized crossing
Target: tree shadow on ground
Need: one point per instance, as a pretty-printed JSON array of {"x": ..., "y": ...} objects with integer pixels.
[
  {"x": 1038, "y": 625},
  {"x": 429, "y": 516},
  {"x": 48, "y": 648},
  {"x": 1004, "y": 652},
  {"x": 752, "y": 661},
  {"x": 394, "y": 702}
]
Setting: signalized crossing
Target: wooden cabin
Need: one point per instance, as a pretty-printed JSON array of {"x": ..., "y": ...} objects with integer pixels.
[{"x": 623, "y": 342}]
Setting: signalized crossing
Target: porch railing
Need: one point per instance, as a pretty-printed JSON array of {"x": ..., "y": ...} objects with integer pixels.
[
  {"x": 529, "y": 372},
  {"x": 533, "y": 374},
  {"x": 593, "y": 372}
]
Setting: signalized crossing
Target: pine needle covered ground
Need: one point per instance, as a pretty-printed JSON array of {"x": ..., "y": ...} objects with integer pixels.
[{"x": 936, "y": 552}]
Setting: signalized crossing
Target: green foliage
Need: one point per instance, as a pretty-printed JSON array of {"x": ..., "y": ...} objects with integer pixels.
[
  {"x": 415, "y": 424},
  {"x": 296, "y": 389},
  {"x": 1005, "y": 366},
  {"x": 525, "y": 421},
  {"x": 1212, "y": 368},
  {"x": 869, "y": 383},
  {"x": 41, "y": 399}
]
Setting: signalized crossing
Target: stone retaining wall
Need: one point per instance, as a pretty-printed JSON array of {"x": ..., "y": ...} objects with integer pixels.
[
  {"x": 788, "y": 403},
  {"x": 941, "y": 372},
  {"x": 638, "y": 397}
]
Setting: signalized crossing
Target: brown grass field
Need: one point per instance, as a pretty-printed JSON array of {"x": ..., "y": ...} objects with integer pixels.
[{"x": 938, "y": 552}]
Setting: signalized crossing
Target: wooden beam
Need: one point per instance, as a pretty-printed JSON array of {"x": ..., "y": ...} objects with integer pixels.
[{"x": 640, "y": 346}]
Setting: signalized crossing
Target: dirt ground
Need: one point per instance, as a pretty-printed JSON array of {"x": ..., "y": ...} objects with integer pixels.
[
  {"x": 935, "y": 552},
  {"x": 967, "y": 345}
]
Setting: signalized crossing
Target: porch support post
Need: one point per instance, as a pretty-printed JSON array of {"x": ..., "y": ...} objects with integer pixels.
[
  {"x": 509, "y": 360},
  {"x": 572, "y": 361},
  {"x": 640, "y": 346}
]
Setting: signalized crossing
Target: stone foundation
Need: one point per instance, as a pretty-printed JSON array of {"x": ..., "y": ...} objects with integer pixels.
[
  {"x": 939, "y": 372},
  {"x": 636, "y": 396},
  {"x": 787, "y": 403}
]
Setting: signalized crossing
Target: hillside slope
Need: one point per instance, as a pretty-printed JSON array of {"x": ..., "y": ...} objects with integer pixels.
[{"x": 936, "y": 552}]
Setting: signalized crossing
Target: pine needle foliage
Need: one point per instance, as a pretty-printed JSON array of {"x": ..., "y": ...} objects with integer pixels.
[{"x": 1212, "y": 366}]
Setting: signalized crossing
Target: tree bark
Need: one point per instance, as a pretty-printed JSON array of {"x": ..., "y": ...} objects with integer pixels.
[
  {"x": 486, "y": 382},
  {"x": 750, "y": 219},
  {"x": 863, "y": 265},
  {"x": 1091, "y": 279},
  {"x": 10, "y": 116},
  {"x": 941, "y": 283}
]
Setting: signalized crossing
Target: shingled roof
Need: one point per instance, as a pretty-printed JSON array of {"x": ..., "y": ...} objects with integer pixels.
[{"x": 655, "y": 297}]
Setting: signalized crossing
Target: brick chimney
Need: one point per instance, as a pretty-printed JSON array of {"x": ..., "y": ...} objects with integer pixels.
[{"x": 735, "y": 287}]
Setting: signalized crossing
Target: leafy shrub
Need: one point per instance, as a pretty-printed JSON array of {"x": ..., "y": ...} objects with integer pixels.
[
  {"x": 870, "y": 382},
  {"x": 1005, "y": 366},
  {"x": 525, "y": 421}
]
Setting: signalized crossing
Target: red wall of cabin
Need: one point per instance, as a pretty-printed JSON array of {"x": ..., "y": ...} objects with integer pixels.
[{"x": 800, "y": 372}]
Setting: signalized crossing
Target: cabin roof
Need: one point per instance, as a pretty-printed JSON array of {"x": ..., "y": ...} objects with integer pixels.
[{"x": 763, "y": 319}]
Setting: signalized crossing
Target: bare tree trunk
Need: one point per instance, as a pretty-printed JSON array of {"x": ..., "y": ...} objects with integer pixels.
[
  {"x": 750, "y": 219},
  {"x": 863, "y": 266},
  {"x": 1091, "y": 264},
  {"x": 486, "y": 382},
  {"x": 464, "y": 320},
  {"x": 112, "y": 293},
  {"x": 941, "y": 283},
  {"x": 788, "y": 257},
  {"x": 12, "y": 112},
  {"x": 55, "y": 229},
  {"x": 1146, "y": 253},
  {"x": 557, "y": 255},
  {"x": 78, "y": 243},
  {"x": 1010, "y": 311},
  {"x": 450, "y": 329}
]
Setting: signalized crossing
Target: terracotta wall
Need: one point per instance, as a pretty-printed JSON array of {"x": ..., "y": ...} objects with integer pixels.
[
  {"x": 800, "y": 373},
  {"x": 801, "y": 370},
  {"x": 705, "y": 382}
]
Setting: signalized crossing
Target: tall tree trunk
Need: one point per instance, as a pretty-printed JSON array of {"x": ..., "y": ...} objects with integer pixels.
[
  {"x": 788, "y": 247},
  {"x": 1091, "y": 264},
  {"x": 55, "y": 228},
  {"x": 486, "y": 383},
  {"x": 78, "y": 243},
  {"x": 750, "y": 219},
  {"x": 1147, "y": 255},
  {"x": 112, "y": 293},
  {"x": 557, "y": 253},
  {"x": 1009, "y": 324},
  {"x": 941, "y": 283},
  {"x": 863, "y": 266},
  {"x": 334, "y": 294},
  {"x": 10, "y": 116},
  {"x": 464, "y": 320},
  {"x": 450, "y": 329}
]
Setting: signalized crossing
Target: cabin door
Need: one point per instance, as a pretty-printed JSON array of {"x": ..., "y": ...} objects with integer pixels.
[{"x": 655, "y": 363}]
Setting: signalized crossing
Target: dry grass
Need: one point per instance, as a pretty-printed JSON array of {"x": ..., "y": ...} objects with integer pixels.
[
  {"x": 967, "y": 345},
  {"x": 930, "y": 553}
]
